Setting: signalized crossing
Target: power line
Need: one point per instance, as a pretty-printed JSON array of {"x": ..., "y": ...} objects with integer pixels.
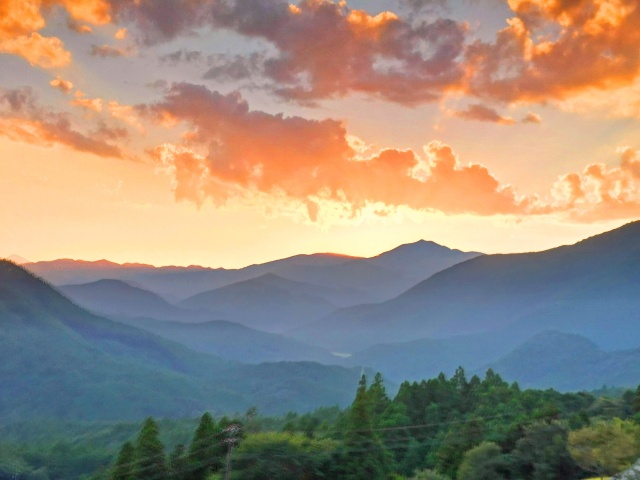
[{"x": 399, "y": 443}]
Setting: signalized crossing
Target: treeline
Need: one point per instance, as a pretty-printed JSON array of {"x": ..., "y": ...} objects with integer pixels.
[{"x": 438, "y": 429}]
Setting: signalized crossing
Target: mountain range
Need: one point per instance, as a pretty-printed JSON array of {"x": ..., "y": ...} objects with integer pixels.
[
  {"x": 584, "y": 289},
  {"x": 58, "y": 360},
  {"x": 339, "y": 279},
  {"x": 195, "y": 337}
]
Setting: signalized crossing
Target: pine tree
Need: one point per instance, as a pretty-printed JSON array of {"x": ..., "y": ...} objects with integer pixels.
[
  {"x": 124, "y": 467},
  {"x": 378, "y": 399},
  {"x": 179, "y": 467},
  {"x": 364, "y": 456},
  {"x": 150, "y": 461},
  {"x": 207, "y": 449}
]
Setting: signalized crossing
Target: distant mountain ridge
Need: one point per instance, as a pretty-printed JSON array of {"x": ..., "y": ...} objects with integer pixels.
[
  {"x": 266, "y": 303},
  {"x": 274, "y": 300},
  {"x": 360, "y": 279},
  {"x": 565, "y": 318},
  {"x": 583, "y": 288},
  {"x": 117, "y": 298},
  {"x": 568, "y": 362},
  {"x": 59, "y": 361}
]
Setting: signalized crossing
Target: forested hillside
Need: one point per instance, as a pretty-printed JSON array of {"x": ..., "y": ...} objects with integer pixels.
[{"x": 438, "y": 429}]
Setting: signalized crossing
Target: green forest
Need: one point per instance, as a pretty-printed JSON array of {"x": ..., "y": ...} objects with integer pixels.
[{"x": 437, "y": 429}]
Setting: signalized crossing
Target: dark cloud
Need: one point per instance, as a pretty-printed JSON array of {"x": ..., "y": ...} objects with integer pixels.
[
  {"x": 327, "y": 50},
  {"x": 108, "y": 133},
  {"x": 107, "y": 51},
  {"x": 159, "y": 84},
  {"x": 163, "y": 20},
  {"x": 236, "y": 67},
  {"x": 324, "y": 49},
  {"x": 78, "y": 27},
  {"x": 181, "y": 56},
  {"x": 424, "y": 5}
]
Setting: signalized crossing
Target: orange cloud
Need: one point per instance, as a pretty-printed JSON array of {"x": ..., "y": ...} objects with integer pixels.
[
  {"x": 22, "y": 119},
  {"x": 20, "y": 21},
  {"x": 65, "y": 86},
  {"x": 127, "y": 114},
  {"x": 550, "y": 50},
  {"x": 235, "y": 151},
  {"x": 47, "y": 134},
  {"x": 554, "y": 49},
  {"x": 94, "y": 104},
  {"x": 45, "y": 52},
  {"x": 97, "y": 12},
  {"x": 601, "y": 192},
  {"x": 483, "y": 113}
]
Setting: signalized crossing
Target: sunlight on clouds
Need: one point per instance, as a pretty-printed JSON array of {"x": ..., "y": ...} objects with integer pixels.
[
  {"x": 45, "y": 52},
  {"x": 94, "y": 104},
  {"x": 600, "y": 192},
  {"x": 622, "y": 102},
  {"x": 127, "y": 114},
  {"x": 97, "y": 12},
  {"x": 268, "y": 133},
  {"x": 21, "y": 19},
  {"x": 596, "y": 48},
  {"x": 65, "y": 86}
]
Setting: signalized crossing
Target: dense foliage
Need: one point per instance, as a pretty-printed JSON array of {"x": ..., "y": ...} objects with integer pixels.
[{"x": 443, "y": 428}]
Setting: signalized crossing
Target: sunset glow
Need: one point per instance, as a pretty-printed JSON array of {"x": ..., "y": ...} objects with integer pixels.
[{"x": 231, "y": 132}]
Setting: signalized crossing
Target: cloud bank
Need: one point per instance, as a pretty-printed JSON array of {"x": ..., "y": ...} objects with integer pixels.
[{"x": 233, "y": 151}]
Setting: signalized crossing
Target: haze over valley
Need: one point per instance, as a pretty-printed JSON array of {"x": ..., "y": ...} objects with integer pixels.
[{"x": 344, "y": 314}]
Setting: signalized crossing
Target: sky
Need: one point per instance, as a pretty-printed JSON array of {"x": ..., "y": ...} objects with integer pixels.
[{"x": 230, "y": 132}]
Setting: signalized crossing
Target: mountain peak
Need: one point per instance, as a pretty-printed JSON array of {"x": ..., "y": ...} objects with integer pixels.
[
  {"x": 421, "y": 259},
  {"x": 17, "y": 259},
  {"x": 421, "y": 247}
]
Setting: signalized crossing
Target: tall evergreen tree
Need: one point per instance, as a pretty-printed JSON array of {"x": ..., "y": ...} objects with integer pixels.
[
  {"x": 378, "y": 399},
  {"x": 124, "y": 467},
  {"x": 364, "y": 455},
  {"x": 179, "y": 468},
  {"x": 150, "y": 462},
  {"x": 207, "y": 449}
]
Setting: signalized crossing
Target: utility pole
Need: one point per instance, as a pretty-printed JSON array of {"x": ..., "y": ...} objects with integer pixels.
[{"x": 232, "y": 432}]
